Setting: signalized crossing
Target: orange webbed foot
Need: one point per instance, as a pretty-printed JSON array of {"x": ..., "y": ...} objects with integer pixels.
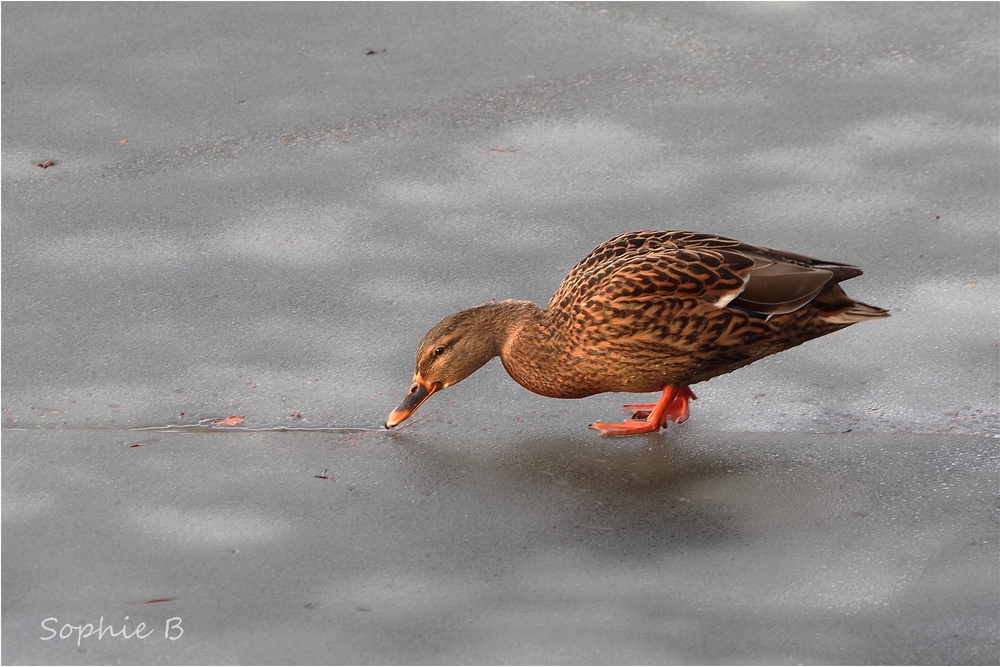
[
  {"x": 639, "y": 410},
  {"x": 651, "y": 417},
  {"x": 628, "y": 427},
  {"x": 679, "y": 409}
]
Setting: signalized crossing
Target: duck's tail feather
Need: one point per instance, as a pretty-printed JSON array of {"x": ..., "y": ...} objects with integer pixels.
[{"x": 857, "y": 312}]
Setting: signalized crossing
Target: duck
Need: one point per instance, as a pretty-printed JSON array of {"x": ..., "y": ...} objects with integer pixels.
[{"x": 645, "y": 311}]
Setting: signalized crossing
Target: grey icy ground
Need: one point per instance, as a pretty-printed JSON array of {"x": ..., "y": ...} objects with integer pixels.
[{"x": 249, "y": 215}]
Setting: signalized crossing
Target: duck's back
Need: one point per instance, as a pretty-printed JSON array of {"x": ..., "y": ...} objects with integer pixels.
[{"x": 650, "y": 308}]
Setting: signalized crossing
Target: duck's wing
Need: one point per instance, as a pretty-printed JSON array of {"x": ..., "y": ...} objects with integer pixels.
[{"x": 715, "y": 271}]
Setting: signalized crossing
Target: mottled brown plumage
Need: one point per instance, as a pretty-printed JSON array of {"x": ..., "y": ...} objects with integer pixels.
[{"x": 645, "y": 311}]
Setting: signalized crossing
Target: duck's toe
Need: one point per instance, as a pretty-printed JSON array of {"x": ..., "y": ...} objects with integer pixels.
[{"x": 628, "y": 427}]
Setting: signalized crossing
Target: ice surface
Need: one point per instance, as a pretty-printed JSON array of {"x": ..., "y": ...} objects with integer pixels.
[{"x": 250, "y": 216}]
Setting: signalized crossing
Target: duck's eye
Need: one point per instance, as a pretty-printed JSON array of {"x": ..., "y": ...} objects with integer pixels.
[{"x": 438, "y": 351}]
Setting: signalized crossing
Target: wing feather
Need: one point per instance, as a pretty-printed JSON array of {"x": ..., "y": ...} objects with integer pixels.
[{"x": 678, "y": 272}]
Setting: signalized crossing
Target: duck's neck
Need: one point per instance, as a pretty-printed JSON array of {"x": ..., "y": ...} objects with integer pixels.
[
  {"x": 527, "y": 342},
  {"x": 509, "y": 322}
]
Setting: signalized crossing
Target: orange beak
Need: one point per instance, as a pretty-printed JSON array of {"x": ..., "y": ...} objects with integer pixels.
[{"x": 419, "y": 392}]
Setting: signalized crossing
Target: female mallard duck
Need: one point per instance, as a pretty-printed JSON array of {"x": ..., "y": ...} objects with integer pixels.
[{"x": 643, "y": 312}]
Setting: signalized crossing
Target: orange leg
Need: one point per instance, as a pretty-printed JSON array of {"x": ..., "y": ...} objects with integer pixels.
[
  {"x": 678, "y": 412},
  {"x": 651, "y": 417}
]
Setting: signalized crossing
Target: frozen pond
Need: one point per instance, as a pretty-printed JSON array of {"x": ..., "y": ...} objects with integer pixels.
[{"x": 250, "y": 214}]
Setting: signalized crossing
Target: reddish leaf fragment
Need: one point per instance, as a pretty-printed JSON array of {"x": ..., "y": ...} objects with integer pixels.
[
  {"x": 46, "y": 164},
  {"x": 233, "y": 420},
  {"x": 136, "y": 604}
]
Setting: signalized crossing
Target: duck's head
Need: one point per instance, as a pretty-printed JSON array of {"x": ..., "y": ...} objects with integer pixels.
[{"x": 450, "y": 352}]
